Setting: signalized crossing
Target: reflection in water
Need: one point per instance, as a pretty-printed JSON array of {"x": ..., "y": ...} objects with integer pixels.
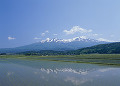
[
  {"x": 77, "y": 81},
  {"x": 10, "y": 73},
  {"x": 16, "y": 72},
  {"x": 105, "y": 69},
  {"x": 82, "y": 72}
]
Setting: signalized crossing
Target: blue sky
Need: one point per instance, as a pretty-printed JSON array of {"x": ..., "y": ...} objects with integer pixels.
[{"x": 24, "y": 22}]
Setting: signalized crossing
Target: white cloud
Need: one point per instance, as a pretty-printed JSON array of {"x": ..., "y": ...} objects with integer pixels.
[
  {"x": 76, "y": 29},
  {"x": 43, "y": 34},
  {"x": 55, "y": 34},
  {"x": 46, "y": 31},
  {"x": 11, "y": 38},
  {"x": 37, "y": 38},
  {"x": 106, "y": 40}
]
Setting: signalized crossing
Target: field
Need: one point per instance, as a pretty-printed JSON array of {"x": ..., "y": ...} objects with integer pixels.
[{"x": 101, "y": 59}]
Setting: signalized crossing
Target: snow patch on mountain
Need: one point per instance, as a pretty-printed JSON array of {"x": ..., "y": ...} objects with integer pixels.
[{"x": 81, "y": 38}]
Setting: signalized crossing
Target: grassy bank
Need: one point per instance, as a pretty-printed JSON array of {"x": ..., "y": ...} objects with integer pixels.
[{"x": 103, "y": 59}]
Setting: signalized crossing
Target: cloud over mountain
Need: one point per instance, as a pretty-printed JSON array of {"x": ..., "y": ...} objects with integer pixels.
[
  {"x": 76, "y": 29},
  {"x": 43, "y": 34},
  {"x": 102, "y": 39}
]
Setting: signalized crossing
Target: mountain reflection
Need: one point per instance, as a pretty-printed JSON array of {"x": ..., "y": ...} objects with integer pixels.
[
  {"x": 16, "y": 72},
  {"x": 70, "y": 70}
]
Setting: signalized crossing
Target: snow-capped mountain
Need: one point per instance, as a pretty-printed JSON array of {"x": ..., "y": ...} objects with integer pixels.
[
  {"x": 56, "y": 44},
  {"x": 82, "y": 38}
]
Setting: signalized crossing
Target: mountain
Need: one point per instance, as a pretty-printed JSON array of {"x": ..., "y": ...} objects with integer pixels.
[
  {"x": 110, "y": 48},
  {"x": 56, "y": 45}
]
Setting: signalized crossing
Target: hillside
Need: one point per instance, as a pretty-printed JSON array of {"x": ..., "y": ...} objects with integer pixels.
[{"x": 111, "y": 48}]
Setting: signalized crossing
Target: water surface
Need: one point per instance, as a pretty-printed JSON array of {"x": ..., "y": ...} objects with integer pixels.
[{"x": 17, "y": 72}]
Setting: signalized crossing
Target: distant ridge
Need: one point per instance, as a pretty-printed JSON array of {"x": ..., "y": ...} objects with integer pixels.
[{"x": 56, "y": 45}]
